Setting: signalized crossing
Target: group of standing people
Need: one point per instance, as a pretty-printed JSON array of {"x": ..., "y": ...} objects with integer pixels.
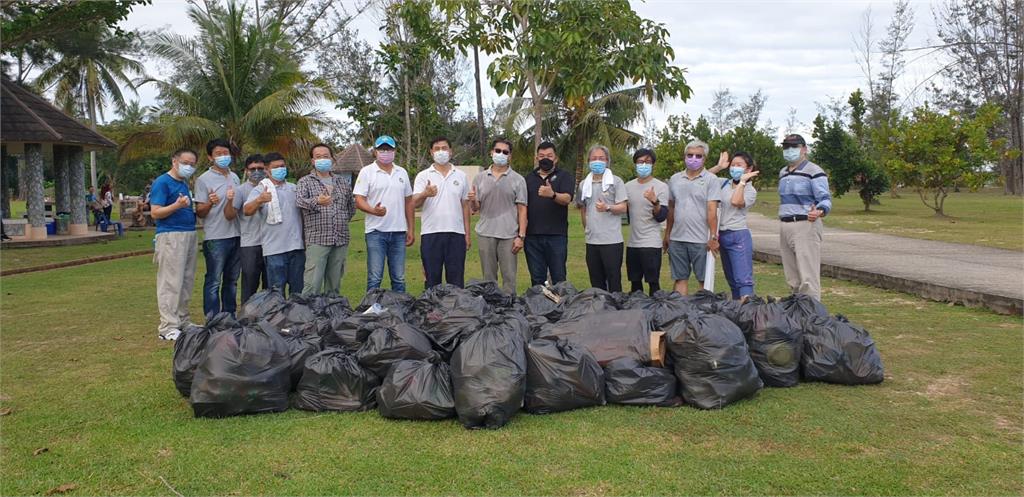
[{"x": 294, "y": 237}]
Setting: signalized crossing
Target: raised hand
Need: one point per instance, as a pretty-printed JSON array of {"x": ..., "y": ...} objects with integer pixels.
[
  {"x": 231, "y": 194},
  {"x": 214, "y": 198},
  {"x": 723, "y": 160},
  {"x": 650, "y": 195},
  {"x": 545, "y": 190},
  {"x": 472, "y": 194},
  {"x": 430, "y": 190},
  {"x": 265, "y": 197},
  {"x": 748, "y": 176}
]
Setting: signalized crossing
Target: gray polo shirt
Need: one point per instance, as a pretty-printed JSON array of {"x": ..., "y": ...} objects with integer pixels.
[
  {"x": 250, "y": 226},
  {"x": 734, "y": 218},
  {"x": 644, "y": 231},
  {"x": 603, "y": 228},
  {"x": 690, "y": 217},
  {"x": 498, "y": 197},
  {"x": 286, "y": 236},
  {"x": 215, "y": 225}
]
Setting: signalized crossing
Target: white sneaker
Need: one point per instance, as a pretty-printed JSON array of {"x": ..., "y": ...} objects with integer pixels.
[{"x": 170, "y": 335}]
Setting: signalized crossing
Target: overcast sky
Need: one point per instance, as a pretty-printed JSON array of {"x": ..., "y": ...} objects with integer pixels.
[{"x": 798, "y": 52}]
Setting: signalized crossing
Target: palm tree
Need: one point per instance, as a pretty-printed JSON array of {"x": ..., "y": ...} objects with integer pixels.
[
  {"x": 90, "y": 70},
  {"x": 234, "y": 80}
]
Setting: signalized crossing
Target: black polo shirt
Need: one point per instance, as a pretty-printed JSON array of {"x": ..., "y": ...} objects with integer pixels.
[{"x": 543, "y": 215}]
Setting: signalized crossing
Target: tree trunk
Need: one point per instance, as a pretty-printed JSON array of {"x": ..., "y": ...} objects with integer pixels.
[
  {"x": 480, "y": 108},
  {"x": 408, "y": 121},
  {"x": 1013, "y": 169},
  {"x": 92, "y": 153}
]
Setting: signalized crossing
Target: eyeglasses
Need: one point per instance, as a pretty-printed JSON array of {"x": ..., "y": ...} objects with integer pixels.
[
  {"x": 257, "y": 169},
  {"x": 694, "y": 156},
  {"x": 503, "y": 152}
]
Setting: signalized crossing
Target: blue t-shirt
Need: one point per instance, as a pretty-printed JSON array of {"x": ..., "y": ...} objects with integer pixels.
[{"x": 165, "y": 192}]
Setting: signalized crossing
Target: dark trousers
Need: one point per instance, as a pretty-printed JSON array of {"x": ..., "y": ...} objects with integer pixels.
[
  {"x": 254, "y": 271},
  {"x": 604, "y": 262},
  {"x": 444, "y": 251},
  {"x": 546, "y": 254},
  {"x": 286, "y": 270},
  {"x": 643, "y": 263},
  {"x": 220, "y": 283}
]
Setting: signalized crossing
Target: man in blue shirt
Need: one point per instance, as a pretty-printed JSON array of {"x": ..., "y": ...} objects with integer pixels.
[
  {"x": 175, "y": 243},
  {"x": 804, "y": 199}
]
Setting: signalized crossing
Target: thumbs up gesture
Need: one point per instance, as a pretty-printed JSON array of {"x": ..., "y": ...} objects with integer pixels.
[
  {"x": 183, "y": 200},
  {"x": 545, "y": 190},
  {"x": 601, "y": 206},
  {"x": 214, "y": 198},
  {"x": 230, "y": 194},
  {"x": 430, "y": 190},
  {"x": 472, "y": 194},
  {"x": 379, "y": 210},
  {"x": 650, "y": 195},
  {"x": 323, "y": 199}
]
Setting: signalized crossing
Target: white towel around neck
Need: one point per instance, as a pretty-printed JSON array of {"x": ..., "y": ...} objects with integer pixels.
[
  {"x": 587, "y": 189},
  {"x": 274, "y": 207}
]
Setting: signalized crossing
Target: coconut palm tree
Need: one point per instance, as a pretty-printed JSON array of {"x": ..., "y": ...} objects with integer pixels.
[
  {"x": 234, "y": 80},
  {"x": 89, "y": 72}
]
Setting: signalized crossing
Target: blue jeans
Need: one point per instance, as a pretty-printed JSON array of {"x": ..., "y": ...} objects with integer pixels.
[
  {"x": 737, "y": 253},
  {"x": 381, "y": 245},
  {"x": 222, "y": 261},
  {"x": 285, "y": 270},
  {"x": 546, "y": 253}
]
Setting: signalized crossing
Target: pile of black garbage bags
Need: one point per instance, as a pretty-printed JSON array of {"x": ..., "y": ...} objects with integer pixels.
[{"x": 481, "y": 355}]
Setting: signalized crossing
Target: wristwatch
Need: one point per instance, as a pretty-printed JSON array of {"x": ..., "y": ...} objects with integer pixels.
[{"x": 714, "y": 237}]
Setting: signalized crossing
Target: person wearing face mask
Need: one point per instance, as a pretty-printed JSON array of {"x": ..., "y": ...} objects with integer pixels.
[
  {"x": 602, "y": 201},
  {"x": 383, "y": 191},
  {"x": 175, "y": 243},
  {"x": 690, "y": 228},
  {"x": 804, "y": 199},
  {"x": 327, "y": 207},
  {"x": 736, "y": 247},
  {"x": 250, "y": 251},
  {"x": 443, "y": 193},
  {"x": 648, "y": 209},
  {"x": 499, "y": 196},
  {"x": 549, "y": 193},
  {"x": 215, "y": 204},
  {"x": 281, "y": 236}
]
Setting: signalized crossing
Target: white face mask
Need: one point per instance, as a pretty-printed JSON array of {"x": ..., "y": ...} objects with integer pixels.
[
  {"x": 442, "y": 157},
  {"x": 499, "y": 159}
]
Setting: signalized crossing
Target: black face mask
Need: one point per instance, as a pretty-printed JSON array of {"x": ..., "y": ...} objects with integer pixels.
[{"x": 546, "y": 164}]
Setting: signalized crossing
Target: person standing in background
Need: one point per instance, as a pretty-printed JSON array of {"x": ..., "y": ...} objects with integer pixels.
[{"x": 250, "y": 251}]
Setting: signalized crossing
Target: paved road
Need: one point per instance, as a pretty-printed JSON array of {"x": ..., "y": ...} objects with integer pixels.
[{"x": 945, "y": 271}]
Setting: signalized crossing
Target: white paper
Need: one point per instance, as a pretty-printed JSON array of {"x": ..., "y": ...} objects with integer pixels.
[{"x": 709, "y": 272}]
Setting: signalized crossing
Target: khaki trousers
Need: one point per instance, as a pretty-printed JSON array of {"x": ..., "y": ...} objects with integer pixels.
[
  {"x": 497, "y": 253},
  {"x": 325, "y": 266},
  {"x": 175, "y": 257},
  {"x": 800, "y": 245}
]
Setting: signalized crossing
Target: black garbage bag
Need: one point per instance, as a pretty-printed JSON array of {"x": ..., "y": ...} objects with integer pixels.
[
  {"x": 300, "y": 348},
  {"x": 608, "y": 335},
  {"x": 261, "y": 305},
  {"x": 629, "y": 382},
  {"x": 621, "y": 299},
  {"x": 448, "y": 313},
  {"x": 729, "y": 309},
  {"x": 332, "y": 380},
  {"x": 399, "y": 303},
  {"x": 663, "y": 307},
  {"x": 838, "y": 351},
  {"x": 512, "y": 321},
  {"x": 776, "y": 344},
  {"x": 329, "y": 306},
  {"x": 190, "y": 346},
  {"x": 489, "y": 375},
  {"x": 803, "y": 307},
  {"x": 390, "y": 344},
  {"x": 492, "y": 294},
  {"x": 561, "y": 376},
  {"x": 350, "y": 332},
  {"x": 244, "y": 371},
  {"x": 296, "y": 314},
  {"x": 712, "y": 361},
  {"x": 587, "y": 302},
  {"x": 418, "y": 389},
  {"x": 536, "y": 303},
  {"x": 704, "y": 297}
]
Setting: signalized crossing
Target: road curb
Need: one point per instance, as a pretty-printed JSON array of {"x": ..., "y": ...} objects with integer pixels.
[{"x": 76, "y": 262}]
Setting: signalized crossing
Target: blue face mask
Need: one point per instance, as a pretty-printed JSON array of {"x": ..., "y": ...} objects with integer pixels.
[
  {"x": 736, "y": 173},
  {"x": 598, "y": 166},
  {"x": 323, "y": 165},
  {"x": 222, "y": 161},
  {"x": 279, "y": 173},
  {"x": 791, "y": 154},
  {"x": 185, "y": 170},
  {"x": 643, "y": 170}
]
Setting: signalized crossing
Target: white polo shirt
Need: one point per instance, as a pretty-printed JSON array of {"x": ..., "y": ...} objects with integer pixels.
[
  {"x": 390, "y": 190},
  {"x": 442, "y": 213}
]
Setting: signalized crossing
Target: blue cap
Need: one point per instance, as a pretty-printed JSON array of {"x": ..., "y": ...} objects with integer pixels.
[{"x": 384, "y": 140}]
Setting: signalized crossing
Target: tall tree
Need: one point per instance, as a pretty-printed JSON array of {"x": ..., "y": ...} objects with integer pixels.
[
  {"x": 90, "y": 71},
  {"x": 984, "y": 40},
  {"x": 838, "y": 152},
  {"x": 722, "y": 113},
  {"x": 234, "y": 79}
]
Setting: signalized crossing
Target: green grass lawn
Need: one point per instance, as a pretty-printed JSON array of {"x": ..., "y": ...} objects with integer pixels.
[
  {"x": 86, "y": 378},
  {"x": 15, "y": 258},
  {"x": 986, "y": 218}
]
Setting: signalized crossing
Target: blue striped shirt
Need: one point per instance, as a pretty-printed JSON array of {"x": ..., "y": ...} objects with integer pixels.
[{"x": 804, "y": 187}]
